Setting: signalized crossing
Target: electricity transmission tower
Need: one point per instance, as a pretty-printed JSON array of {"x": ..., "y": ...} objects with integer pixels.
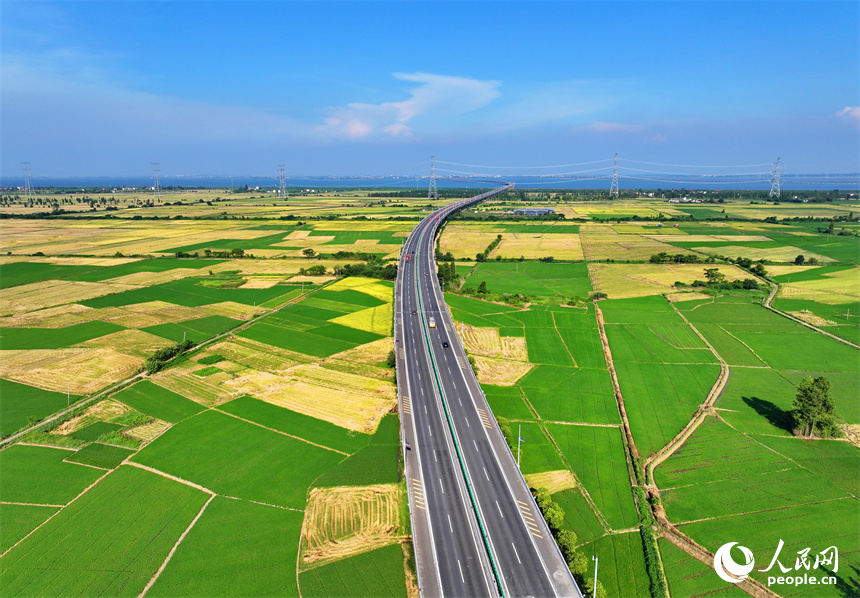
[
  {"x": 282, "y": 187},
  {"x": 28, "y": 187},
  {"x": 775, "y": 179},
  {"x": 613, "y": 186},
  {"x": 432, "y": 192},
  {"x": 156, "y": 188}
]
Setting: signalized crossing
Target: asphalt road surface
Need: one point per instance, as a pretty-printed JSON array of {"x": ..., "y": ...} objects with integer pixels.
[{"x": 476, "y": 528}]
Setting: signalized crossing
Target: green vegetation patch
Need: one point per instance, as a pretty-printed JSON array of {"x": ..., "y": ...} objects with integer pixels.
[
  {"x": 532, "y": 278},
  {"x": 296, "y": 424},
  {"x": 719, "y": 472},
  {"x": 507, "y": 402},
  {"x": 660, "y": 399},
  {"x": 152, "y": 265},
  {"x": 783, "y": 351},
  {"x": 584, "y": 396},
  {"x": 54, "y": 338},
  {"x": 757, "y": 401},
  {"x": 596, "y": 456},
  {"x": 20, "y": 520},
  {"x": 106, "y": 456},
  {"x": 95, "y": 431},
  {"x": 657, "y": 343},
  {"x": 207, "y": 371},
  {"x": 832, "y": 460},
  {"x": 109, "y": 542},
  {"x": 237, "y": 548},
  {"x": 22, "y": 404},
  {"x": 376, "y": 463},
  {"x": 197, "y": 330},
  {"x": 689, "y": 578},
  {"x": 578, "y": 516},
  {"x": 158, "y": 402},
  {"x": 583, "y": 342},
  {"x": 375, "y": 574},
  {"x": 188, "y": 293},
  {"x": 814, "y": 526},
  {"x": 295, "y": 340},
  {"x": 537, "y": 453},
  {"x": 621, "y": 566},
  {"x": 350, "y": 297},
  {"x": 18, "y": 273},
  {"x": 546, "y": 346},
  {"x": 38, "y": 474},
  {"x": 236, "y": 458}
]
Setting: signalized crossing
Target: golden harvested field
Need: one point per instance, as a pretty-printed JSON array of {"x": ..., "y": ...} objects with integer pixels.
[
  {"x": 206, "y": 391},
  {"x": 138, "y": 315},
  {"x": 537, "y": 245},
  {"x": 80, "y": 371},
  {"x": 101, "y": 411},
  {"x": 500, "y": 372},
  {"x": 49, "y": 293},
  {"x": 345, "y": 521},
  {"x": 465, "y": 240},
  {"x": 600, "y": 242},
  {"x": 257, "y": 355},
  {"x": 620, "y": 281},
  {"x": 480, "y": 341},
  {"x": 688, "y": 296},
  {"x": 514, "y": 347},
  {"x": 347, "y": 400},
  {"x": 148, "y": 431},
  {"x": 151, "y": 278},
  {"x": 231, "y": 309},
  {"x": 364, "y": 360},
  {"x": 131, "y": 342},
  {"x": 786, "y": 253},
  {"x": 554, "y": 481}
]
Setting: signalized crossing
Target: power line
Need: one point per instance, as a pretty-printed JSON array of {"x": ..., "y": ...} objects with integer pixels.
[
  {"x": 432, "y": 192},
  {"x": 698, "y": 166},
  {"x": 525, "y": 167}
]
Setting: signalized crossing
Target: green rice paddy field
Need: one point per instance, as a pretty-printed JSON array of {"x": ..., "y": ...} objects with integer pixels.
[{"x": 741, "y": 476}]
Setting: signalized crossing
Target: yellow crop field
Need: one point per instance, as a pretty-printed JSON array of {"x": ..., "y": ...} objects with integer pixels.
[
  {"x": 369, "y": 286},
  {"x": 554, "y": 481},
  {"x": 347, "y": 400},
  {"x": 231, "y": 309},
  {"x": 345, "y": 521},
  {"x": 619, "y": 281},
  {"x": 466, "y": 240},
  {"x": 835, "y": 288},
  {"x": 480, "y": 341},
  {"x": 150, "y": 278},
  {"x": 792, "y": 269},
  {"x": 80, "y": 371},
  {"x": 500, "y": 372},
  {"x": 537, "y": 245},
  {"x": 131, "y": 342},
  {"x": 786, "y": 253},
  {"x": 149, "y": 431},
  {"x": 600, "y": 242},
  {"x": 373, "y": 319},
  {"x": 364, "y": 360}
]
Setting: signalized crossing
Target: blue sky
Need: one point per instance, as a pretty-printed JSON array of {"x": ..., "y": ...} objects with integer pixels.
[{"x": 105, "y": 88}]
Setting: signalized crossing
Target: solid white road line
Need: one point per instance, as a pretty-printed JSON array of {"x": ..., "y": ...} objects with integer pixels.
[
  {"x": 500, "y": 509},
  {"x": 450, "y": 525},
  {"x": 516, "y": 553},
  {"x": 486, "y": 475},
  {"x": 462, "y": 579}
]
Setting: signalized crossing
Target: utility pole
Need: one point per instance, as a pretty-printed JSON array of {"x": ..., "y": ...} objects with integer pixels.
[
  {"x": 432, "y": 192},
  {"x": 775, "y": 180},
  {"x": 519, "y": 440},
  {"x": 613, "y": 186}
]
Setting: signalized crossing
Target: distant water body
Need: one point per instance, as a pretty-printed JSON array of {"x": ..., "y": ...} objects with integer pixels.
[{"x": 740, "y": 182}]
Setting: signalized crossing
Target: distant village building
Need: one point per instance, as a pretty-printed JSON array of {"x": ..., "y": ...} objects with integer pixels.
[{"x": 534, "y": 211}]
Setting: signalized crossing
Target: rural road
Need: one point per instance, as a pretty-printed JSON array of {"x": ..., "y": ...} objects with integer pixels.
[{"x": 476, "y": 528}]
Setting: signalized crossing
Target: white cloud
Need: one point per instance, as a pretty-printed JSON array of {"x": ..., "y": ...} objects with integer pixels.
[
  {"x": 437, "y": 97},
  {"x": 850, "y": 113}
]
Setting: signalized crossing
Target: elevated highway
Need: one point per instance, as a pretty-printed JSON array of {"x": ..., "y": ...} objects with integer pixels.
[{"x": 476, "y": 528}]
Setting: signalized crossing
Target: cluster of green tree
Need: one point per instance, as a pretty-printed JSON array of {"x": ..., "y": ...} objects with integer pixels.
[
  {"x": 566, "y": 540},
  {"x": 482, "y": 257},
  {"x": 717, "y": 280},
  {"x": 233, "y": 253},
  {"x": 318, "y": 270},
  {"x": 680, "y": 258},
  {"x": 751, "y": 266},
  {"x": 375, "y": 268},
  {"x": 163, "y": 357},
  {"x": 579, "y": 300},
  {"x": 814, "y": 411},
  {"x": 447, "y": 273},
  {"x": 830, "y": 230}
]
